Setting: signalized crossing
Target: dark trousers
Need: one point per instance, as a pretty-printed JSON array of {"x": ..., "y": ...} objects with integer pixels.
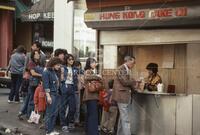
[
  {"x": 31, "y": 92},
  {"x": 16, "y": 80},
  {"x": 67, "y": 100},
  {"x": 24, "y": 107},
  {"x": 92, "y": 117},
  {"x": 52, "y": 113}
]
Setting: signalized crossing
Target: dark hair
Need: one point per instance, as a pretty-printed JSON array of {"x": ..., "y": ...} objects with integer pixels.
[
  {"x": 53, "y": 61},
  {"x": 68, "y": 56},
  {"x": 21, "y": 49},
  {"x": 32, "y": 56},
  {"x": 153, "y": 67},
  {"x": 77, "y": 63},
  {"x": 110, "y": 83},
  {"x": 38, "y": 44},
  {"x": 59, "y": 51},
  {"x": 88, "y": 62}
]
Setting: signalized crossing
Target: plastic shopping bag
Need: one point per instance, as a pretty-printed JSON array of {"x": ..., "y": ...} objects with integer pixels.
[{"x": 35, "y": 117}]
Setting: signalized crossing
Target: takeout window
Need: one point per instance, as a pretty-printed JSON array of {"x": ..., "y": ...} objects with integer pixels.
[{"x": 171, "y": 60}]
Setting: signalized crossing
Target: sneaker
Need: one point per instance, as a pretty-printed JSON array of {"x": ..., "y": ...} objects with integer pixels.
[
  {"x": 42, "y": 126},
  {"x": 16, "y": 102},
  {"x": 65, "y": 129},
  {"x": 105, "y": 130},
  {"x": 9, "y": 101},
  {"x": 110, "y": 132},
  {"x": 20, "y": 116},
  {"x": 71, "y": 126},
  {"x": 55, "y": 133},
  {"x": 52, "y": 133},
  {"x": 29, "y": 121}
]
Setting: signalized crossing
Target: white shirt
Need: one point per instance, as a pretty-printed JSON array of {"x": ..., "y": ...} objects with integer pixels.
[
  {"x": 127, "y": 69},
  {"x": 69, "y": 79}
]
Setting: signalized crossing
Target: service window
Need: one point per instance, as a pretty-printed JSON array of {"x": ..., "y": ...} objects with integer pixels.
[{"x": 171, "y": 60}]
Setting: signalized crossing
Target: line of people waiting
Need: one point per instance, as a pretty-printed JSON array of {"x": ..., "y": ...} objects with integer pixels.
[{"x": 54, "y": 89}]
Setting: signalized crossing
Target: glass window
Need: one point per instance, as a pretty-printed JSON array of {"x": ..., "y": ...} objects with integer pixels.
[{"x": 85, "y": 39}]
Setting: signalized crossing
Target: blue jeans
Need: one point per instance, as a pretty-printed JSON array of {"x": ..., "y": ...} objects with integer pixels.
[
  {"x": 16, "y": 80},
  {"x": 67, "y": 100},
  {"x": 124, "y": 126},
  {"x": 31, "y": 106},
  {"x": 52, "y": 113},
  {"x": 24, "y": 107},
  {"x": 62, "y": 109},
  {"x": 77, "y": 114},
  {"x": 92, "y": 117}
]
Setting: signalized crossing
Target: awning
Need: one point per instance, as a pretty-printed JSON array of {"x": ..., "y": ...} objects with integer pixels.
[
  {"x": 20, "y": 8},
  {"x": 7, "y": 5},
  {"x": 40, "y": 11}
]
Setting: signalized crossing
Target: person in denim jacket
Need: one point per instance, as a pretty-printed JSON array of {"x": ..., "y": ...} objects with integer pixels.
[
  {"x": 51, "y": 84},
  {"x": 35, "y": 70},
  {"x": 69, "y": 81}
]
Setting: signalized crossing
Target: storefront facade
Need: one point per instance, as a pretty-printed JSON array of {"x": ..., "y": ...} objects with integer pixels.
[
  {"x": 39, "y": 20},
  {"x": 153, "y": 33},
  {"x": 6, "y": 31},
  {"x": 166, "y": 33}
]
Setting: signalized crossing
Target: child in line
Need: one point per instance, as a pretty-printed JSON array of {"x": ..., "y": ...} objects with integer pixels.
[
  {"x": 40, "y": 102},
  {"x": 110, "y": 111}
]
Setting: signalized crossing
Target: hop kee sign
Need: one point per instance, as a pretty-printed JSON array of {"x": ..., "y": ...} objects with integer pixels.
[
  {"x": 36, "y": 16},
  {"x": 147, "y": 14}
]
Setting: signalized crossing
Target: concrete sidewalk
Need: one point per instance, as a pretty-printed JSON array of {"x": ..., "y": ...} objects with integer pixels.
[{"x": 9, "y": 119}]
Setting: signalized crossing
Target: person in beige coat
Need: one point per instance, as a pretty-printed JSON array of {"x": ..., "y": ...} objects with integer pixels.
[
  {"x": 124, "y": 85},
  {"x": 91, "y": 98}
]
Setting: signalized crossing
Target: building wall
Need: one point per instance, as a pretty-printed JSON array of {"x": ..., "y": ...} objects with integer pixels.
[
  {"x": 98, "y": 4},
  {"x": 63, "y": 24},
  {"x": 23, "y": 35},
  {"x": 6, "y": 36}
]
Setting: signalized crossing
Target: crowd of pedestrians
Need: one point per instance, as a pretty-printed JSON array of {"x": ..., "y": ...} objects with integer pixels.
[{"x": 58, "y": 89}]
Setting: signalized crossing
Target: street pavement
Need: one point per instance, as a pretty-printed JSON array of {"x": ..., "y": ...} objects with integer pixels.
[{"x": 9, "y": 119}]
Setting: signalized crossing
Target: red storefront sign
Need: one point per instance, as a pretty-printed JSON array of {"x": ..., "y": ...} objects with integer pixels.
[{"x": 147, "y": 14}]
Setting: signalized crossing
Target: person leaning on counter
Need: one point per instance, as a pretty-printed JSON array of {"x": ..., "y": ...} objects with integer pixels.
[
  {"x": 153, "y": 78},
  {"x": 122, "y": 89}
]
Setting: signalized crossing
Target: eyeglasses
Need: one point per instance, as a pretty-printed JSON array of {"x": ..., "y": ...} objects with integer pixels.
[{"x": 71, "y": 59}]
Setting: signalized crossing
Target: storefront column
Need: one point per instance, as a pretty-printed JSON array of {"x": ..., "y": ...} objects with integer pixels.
[
  {"x": 63, "y": 24},
  {"x": 110, "y": 57},
  {"x": 6, "y": 36},
  {"x": 193, "y": 71}
]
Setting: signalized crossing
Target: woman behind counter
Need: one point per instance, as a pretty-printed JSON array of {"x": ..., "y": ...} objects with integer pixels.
[{"x": 154, "y": 78}]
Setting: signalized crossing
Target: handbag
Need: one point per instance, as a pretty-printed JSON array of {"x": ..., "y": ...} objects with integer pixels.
[
  {"x": 104, "y": 100},
  {"x": 95, "y": 86},
  {"x": 35, "y": 117}
]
